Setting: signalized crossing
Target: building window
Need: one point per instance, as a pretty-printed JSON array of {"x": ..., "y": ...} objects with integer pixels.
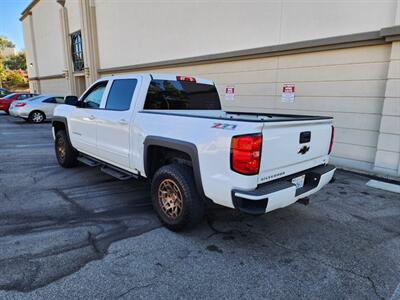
[{"x": 77, "y": 51}]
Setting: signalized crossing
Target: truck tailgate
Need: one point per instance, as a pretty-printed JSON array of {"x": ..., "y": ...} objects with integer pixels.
[{"x": 290, "y": 147}]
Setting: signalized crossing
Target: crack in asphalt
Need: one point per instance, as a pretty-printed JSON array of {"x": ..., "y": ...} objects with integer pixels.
[
  {"x": 135, "y": 288},
  {"x": 75, "y": 205},
  {"x": 92, "y": 242},
  {"x": 76, "y": 239},
  {"x": 98, "y": 243}
]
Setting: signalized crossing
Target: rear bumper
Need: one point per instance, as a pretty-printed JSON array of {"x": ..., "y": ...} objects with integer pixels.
[
  {"x": 282, "y": 192},
  {"x": 4, "y": 106},
  {"x": 18, "y": 112},
  {"x": 13, "y": 112}
]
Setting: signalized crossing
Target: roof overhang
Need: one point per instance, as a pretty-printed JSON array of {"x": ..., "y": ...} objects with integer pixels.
[{"x": 26, "y": 12}]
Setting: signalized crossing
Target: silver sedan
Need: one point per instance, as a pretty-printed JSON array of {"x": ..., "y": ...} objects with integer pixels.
[{"x": 36, "y": 109}]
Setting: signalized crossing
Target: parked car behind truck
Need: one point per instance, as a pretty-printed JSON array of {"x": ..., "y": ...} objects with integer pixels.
[
  {"x": 171, "y": 130},
  {"x": 4, "y": 92},
  {"x": 36, "y": 109},
  {"x": 6, "y": 101}
]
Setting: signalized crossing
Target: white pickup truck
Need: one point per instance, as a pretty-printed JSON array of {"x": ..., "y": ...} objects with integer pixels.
[{"x": 171, "y": 130}]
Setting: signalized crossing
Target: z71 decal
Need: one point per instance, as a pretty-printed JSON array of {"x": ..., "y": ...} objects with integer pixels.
[{"x": 224, "y": 126}]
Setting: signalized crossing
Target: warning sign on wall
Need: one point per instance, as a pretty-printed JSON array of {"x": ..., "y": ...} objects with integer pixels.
[
  {"x": 288, "y": 92},
  {"x": 230, "y": 93}
]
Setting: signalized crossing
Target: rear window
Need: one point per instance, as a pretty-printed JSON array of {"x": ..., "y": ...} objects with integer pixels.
[
  {"x": 9, "y": 96},
  {"x": 172, "y": 94},
  {"x": 36, "y": 98}
]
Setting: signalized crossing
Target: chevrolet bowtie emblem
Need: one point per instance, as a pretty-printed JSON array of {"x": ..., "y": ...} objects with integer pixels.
[{"x": 304, "y": 150}]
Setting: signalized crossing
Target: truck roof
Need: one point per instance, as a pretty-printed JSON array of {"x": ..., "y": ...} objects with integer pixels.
[{"x": 159, "y": 76}]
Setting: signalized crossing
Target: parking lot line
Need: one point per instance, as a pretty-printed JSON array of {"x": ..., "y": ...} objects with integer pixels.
[
  {"x": 395, "y": 188},
  {"x": 33, "y": 145}
]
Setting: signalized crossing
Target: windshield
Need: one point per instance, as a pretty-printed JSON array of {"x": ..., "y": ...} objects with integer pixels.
[{"x": 173, "y": 94}]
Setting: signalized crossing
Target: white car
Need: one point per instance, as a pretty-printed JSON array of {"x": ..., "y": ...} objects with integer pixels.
[
  {"x": 171, "y": 130},
  {"x": 36, "y": 109}
]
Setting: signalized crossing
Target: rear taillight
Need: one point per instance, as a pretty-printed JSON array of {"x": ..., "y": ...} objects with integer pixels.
[
  {"x": 185, "y": 78},
  {"x": 20, "y": 104},
  {"x": 331, "y": 142},
  {"x": 246, "y": 154}
]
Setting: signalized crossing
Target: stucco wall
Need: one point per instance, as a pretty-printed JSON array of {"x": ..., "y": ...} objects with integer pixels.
[
  {"x": 388, "y": 153},
  {"x": 48, "y": 36},
  {"x": 139, "y": 31},
  {"x": 74, "y": 15},
  {"x": 54, "y": 86},
  {"x": 28, "y": 43}
]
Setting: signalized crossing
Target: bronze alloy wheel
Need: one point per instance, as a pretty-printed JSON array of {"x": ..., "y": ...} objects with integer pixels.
[
  {"x": 170, "y": 199},
  {"x": 61, "y": 148}
]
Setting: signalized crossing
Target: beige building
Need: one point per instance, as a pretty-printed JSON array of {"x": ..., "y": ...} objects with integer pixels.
[
  {"x": 343, "y": 57},
  {"x": 7, "y": 51}
]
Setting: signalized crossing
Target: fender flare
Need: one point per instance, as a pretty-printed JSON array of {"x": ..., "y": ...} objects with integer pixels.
[
  {"x": 183, "y": 146},
  {"x": 58, "y": 119}
]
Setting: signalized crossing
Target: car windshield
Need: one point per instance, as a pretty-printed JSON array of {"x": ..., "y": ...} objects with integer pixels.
[{"x": 9, "y": 96}]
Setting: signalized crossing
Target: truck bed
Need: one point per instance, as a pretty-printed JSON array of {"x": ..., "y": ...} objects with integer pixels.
[{"x": 238, "y": 116}]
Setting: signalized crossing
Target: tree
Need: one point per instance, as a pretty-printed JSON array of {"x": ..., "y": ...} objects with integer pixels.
[
  {"x": 14, "y": 78},
  {"x": 12, "y": 68},
  {"x": 7, "y": 76},
  {"x": 15, "y": 62},
  {"x": 5, "y": 43},
  {"x": 2, "y": 74}
]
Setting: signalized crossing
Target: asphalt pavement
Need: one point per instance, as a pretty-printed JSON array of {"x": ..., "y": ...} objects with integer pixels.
[{"x": 80, "y": 234}]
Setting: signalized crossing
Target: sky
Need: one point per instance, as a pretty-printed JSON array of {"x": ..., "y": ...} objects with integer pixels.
[{"x": 10, "y": 26}]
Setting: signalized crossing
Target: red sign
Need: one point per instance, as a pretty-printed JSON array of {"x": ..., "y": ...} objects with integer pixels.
[
  {"x": 288, "y": 88},
  {"x": 288, "y": 92},
  {"x": 229, "y": 90},
  {"x": 229, "y": 93}
]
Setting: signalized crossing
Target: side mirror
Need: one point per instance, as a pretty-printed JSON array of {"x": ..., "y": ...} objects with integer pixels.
[{"x": 71, "y": 100}]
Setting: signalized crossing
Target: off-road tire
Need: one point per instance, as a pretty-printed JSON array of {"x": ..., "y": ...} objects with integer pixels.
[
  {"x": 193, "y": 207},
  {"x": 67, "y": 158}
]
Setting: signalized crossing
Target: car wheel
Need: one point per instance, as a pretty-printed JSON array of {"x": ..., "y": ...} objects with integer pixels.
[
  {"x": 7, "y": 112},
  {"x": 36, "y": 117},
  {"x": 175, "y": 197},
  {"x": 65, "y": 153}
]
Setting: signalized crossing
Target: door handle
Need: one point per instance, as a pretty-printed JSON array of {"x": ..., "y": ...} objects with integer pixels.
[
  {"x": 91, "y": 117},
  {"x": 123, "y": 122}
]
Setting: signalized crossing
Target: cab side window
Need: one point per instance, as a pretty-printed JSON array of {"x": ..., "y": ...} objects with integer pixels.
[{"x": 92, "y": 98}]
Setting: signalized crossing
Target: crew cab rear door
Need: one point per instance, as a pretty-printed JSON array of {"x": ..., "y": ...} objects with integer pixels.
[{"x": 115, "y": 121}]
